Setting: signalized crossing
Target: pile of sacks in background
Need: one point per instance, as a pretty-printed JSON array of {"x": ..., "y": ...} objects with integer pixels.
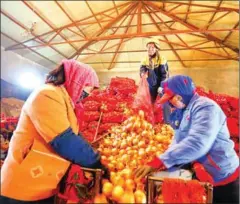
[
  {"x": 230, "y": 106},
  {"x": 11, "y": 107},
  {"x": 111, "y": 104}
]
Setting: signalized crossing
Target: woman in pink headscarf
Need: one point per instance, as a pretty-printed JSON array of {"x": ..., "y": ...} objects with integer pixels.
[{"x": 46, "y": 140}]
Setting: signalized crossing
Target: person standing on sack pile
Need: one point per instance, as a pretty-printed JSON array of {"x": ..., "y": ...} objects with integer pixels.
[
  {"x": 201, "y": 136},
  {"x": 46, "y": 139},
  {"x": 155, "y": 68}
]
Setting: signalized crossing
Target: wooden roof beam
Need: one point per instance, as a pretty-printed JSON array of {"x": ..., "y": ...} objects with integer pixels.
[
  {"x": 187, "y": 60},
  {"x": 25, "y": 28},
  {"x": 126, "y": 16},
  {"x": 78, "y": 22},
  {"x": 69, "y": 17},
  {"x": 228, "y": 35},
  {"x": 217, "y": 19},
  {"x": 37, "y": 12},
  {"x": 139, "y": 18},
  {"x": 190, "y": 26},
  {"x": 174, "y": 51},
  {"x": 188, "y": 10},
  {"x": 206, "y": 6},
  {"x": 104, "y": 29},
  {"x": 126, "y": 30},
  {"x": 196, "y": 12},
  {"x": 174, "y": 8},
  {"x": 101, "y": 51},
  {"x": 94, "y": 15},
  {"x": 115, "y": 7},
  {"x": 130, "y": 35},
  {"x": 210, "y": 20},
  {"x": 37, "y": 53},
  {"x": 136, "y": 51},
  {"x": 201, "y": 43},
  {"x": 158, "y": 17}
]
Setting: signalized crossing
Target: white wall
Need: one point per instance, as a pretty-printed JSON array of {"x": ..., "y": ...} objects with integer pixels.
[{"x": 13, "y": 65}]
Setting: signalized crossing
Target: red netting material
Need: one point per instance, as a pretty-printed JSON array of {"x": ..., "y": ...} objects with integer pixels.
[{"x": 142, "y": 100}]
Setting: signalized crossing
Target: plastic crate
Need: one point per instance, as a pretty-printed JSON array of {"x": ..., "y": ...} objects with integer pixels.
[
  {"x": 94, "y": 189},
  {"x": 153, "y": 182}
]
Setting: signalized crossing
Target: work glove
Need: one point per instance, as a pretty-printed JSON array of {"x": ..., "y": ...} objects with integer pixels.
[
  {"x": 143, "y": 171},
  {"x": 155, "y": 165},
  {"x": 201, "y": 173}
]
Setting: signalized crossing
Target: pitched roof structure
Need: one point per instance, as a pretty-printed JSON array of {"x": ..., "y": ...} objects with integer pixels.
[{"x": 113, "y": 34}]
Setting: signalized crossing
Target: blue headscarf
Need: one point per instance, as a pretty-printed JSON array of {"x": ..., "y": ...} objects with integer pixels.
[{"x": 183, "y": 86}]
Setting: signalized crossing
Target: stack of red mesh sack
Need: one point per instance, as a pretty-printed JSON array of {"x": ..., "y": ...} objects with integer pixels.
[
  {"x": 8, "y": 125},
  {"x": 230, "y": 106},
  {"x": 113, "y": 102}
]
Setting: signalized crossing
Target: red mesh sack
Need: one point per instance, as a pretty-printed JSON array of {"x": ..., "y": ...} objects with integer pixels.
[
  {"x": 91, "y": 106},
  {"x": 143, "y": 100}
]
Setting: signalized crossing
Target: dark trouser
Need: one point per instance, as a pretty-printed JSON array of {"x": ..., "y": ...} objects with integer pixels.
[
  {"x": 6, "y": 200},
  {"x": 166, "y": 113},
  {"x": 165, "y": 107},
  {"x": 227, "y": 194}
]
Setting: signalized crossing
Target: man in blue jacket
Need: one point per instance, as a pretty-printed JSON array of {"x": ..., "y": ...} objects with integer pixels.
[{"x": 201, "y": 136}]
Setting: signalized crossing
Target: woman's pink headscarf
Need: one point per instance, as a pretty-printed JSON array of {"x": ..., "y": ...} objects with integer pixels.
[{"x": 77, "y": 76}]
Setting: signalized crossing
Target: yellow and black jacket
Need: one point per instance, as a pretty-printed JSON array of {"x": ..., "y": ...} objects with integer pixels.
[{"x": 157, "y": 69}]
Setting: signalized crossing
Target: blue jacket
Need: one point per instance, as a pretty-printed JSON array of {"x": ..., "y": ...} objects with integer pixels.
[
  {"x": 156, "y": 74},
  {"x": 203, "y": 136}
]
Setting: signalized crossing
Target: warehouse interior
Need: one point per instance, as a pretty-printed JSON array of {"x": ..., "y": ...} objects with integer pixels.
[{"x": 199, "y": 39}]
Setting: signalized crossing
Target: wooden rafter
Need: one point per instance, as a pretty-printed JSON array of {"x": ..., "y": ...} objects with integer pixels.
[
  {"x": 104, "y": 29},
  {"x": 69, "y": 17},
  {"x": 142, "y": 24},
  {"x": 93, "y": 14},
  {"x": 190, "y": 26},
  {"x": 211, "y": 19},
  {"x": 54, "y": 36},
  {"x": 174, "y": 8},
  {"x": 188, "y": 10},
  {"x": 201, "y": 43},
  {"x": 167, "y": 26},
  {"x": 158, "y": 27},
  {"x": 224, "y": 50},
  {"x": 139, "y": 19},
  {"x": 108, "y": 16},
  {"x": 130, "y": 35},
  {"x": 227, "y": 36},
  {"x": 25, "y": 28},
  {"x": 78, "y": 22},
  {"x": 38, "y": 13},
  {"x": 197, "y": 12},
  {"x": 136, "y": 51},
  {"x": 197, "y": 49},
  {"x": 76, "y": 33},
  {"x": 115, "y": 7},
  {"x": 37, "y": 53},
  {"x": 187, "y": 60},
  {"x": 201, "y": 5},
  {"x": 126, "y": 16},
  {"x": 121, "y": 41},
  {"x": 217, "y": 19},
  {"x": 102, "y": 51}
]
